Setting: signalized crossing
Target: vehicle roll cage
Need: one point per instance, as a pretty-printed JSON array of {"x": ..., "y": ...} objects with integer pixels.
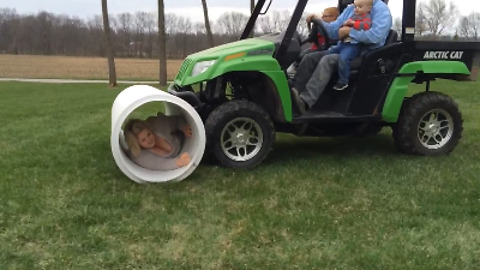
[{"x": 408, "y": 21}]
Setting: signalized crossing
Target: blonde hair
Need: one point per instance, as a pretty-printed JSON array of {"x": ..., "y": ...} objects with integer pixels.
[
  {"x": 369, "y": 3},
  {"x": 132, "y": 128}
]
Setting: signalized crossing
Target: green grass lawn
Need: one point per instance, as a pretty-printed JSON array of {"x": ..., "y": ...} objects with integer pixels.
[{"x": 315, "y": 203}]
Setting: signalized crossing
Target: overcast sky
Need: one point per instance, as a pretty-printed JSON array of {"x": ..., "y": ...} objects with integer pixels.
[{"x": 190, "y": 8}]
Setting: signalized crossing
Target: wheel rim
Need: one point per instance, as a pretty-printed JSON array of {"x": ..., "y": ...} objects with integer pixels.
[
  {"x": 435, "y": 129},
  {"x": 241, "y": 139}
]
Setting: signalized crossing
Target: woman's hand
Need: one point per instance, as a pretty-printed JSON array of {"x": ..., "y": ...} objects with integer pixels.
[
  {"x": 311, "y": 17},
  {"x": 349, "y": 22},
  {"x": 183, "y": 160},
  {"x": 187, "y": 130},
  {"x": 344, "y": 32}
]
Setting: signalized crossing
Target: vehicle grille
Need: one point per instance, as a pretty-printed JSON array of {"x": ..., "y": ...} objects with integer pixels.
[{"x": 183, "y": 69}]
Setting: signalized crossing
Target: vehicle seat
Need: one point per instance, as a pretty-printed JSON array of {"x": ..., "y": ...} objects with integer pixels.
[
  {"x": 370, "y": 73},
  {"x": 392, "y": 37},
  {"x": 357, "y": 62}
]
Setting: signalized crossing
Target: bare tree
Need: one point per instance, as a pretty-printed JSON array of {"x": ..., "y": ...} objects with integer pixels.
[
  {"x": 152, "y": 32},
  {"x": 45, "y": 25},
  {"x": 112, "y": 75},
  {"x": 420, "y": 20},
  {"x": 171, "y": 29},
  {"x": 8, "y": 30},
  {"x": 162, "y": 41},
  {"x": 125, "y": 22},
  {"x": 265, "y": 25},
  {"x": 70, "y": 32},
  {"x": 182, "y": 38},
  {"x": 185, "y": 37},
  {"x": 95, "y": 28},
  {"x": 199, "y": 29},
  {"x": 140, "y": 25},
  {"x": 232, "y": 24},
  {"x": 470, "y": 25},
  {"x": 276, "y": 22},
  {"x": 281, "y": 19},
  {"x": 171, "y": 23},
  {"x": 207, "y": 23},
  {"x": 439, "y": 16}
]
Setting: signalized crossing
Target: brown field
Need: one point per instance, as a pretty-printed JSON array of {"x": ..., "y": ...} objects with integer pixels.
[{"x": 64, "y": 67}]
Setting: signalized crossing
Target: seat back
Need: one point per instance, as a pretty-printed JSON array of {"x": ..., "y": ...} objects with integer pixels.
[
  {"x": 392, "y": 37},
  {"x": 356, "y": 63}
]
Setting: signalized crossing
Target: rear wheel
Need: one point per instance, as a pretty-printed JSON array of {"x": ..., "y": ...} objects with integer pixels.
[
  {"x": 240, "y": 134},
  {"x": 429, "y": 124}
]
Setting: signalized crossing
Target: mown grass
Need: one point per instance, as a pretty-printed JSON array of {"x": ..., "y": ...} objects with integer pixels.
[{"x": 316, "y": 203}]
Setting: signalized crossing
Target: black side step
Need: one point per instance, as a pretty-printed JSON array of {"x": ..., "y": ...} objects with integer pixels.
[{"x": 334, "y": 117}]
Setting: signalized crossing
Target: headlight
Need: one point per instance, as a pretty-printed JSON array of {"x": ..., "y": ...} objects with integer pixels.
[{"x": 201, "y": 67}]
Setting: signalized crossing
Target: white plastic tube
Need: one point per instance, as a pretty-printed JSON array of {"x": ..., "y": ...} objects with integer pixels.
[{"x": 132, "y": 98}]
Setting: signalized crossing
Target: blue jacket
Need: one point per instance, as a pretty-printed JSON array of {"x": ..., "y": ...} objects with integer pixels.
[{"x": 373, "y": 38}]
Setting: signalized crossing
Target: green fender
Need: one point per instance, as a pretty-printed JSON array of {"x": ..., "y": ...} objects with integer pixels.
[
  {"x": 267, "y": 65},
  {"x": 399, "y": 87},
  {"x": 280, "y": 80}
]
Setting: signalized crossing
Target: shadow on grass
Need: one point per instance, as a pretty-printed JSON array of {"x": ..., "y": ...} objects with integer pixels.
[{"x": 289, "y": 147}]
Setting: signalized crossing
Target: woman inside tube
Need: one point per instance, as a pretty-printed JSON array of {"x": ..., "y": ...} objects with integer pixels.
[{"x": 156, "y": 143}]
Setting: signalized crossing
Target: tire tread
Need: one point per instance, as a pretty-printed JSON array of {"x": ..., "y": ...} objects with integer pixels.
[
  {"x": 232, "y": 109},
  {"x": 405, "y": 130}
]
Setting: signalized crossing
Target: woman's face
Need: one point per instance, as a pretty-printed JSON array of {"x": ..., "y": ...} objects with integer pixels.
[
  {"x": 146, "y": 139},
  {"x": 328, "y": 16}
]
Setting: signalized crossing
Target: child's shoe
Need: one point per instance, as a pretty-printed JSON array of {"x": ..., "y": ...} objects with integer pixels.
[{"x": 340, "y": 86}]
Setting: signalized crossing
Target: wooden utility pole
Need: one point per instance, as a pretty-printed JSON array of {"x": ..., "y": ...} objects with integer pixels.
[
  {"x": 162, "y": 41},
  {"x": 207, "y": 23},
  {"x": 112, "y": 74}
]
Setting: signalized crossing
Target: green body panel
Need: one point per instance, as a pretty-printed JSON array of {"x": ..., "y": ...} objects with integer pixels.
[
  {"x": 445, "y": 67},
  {"x": 252, "y": 54},
  {"x": 280, "y": 80},
  {"x": 394, "y": 99},
  {"x": 257, "y": 57},
  {"x": 399, "y": 87}
]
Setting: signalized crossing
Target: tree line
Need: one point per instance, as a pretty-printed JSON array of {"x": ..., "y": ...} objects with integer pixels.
[
  {"x": 136, "y": 34},
  {"x": 132, "y": 34}
]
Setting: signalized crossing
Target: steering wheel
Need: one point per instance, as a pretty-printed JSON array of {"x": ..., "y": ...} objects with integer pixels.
[{"x": 317, "y": 28}]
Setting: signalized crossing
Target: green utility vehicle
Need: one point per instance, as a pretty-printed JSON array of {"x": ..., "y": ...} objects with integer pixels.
[{"x": 241, "y": 92}]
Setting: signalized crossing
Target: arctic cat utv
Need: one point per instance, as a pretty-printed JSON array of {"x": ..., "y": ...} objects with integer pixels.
[{"x": 241, "y": 92}]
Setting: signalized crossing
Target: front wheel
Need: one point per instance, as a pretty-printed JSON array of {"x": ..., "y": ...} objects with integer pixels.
[
  {"x": 239, "y": 134},
  {"x": 429, "y": 124}
]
